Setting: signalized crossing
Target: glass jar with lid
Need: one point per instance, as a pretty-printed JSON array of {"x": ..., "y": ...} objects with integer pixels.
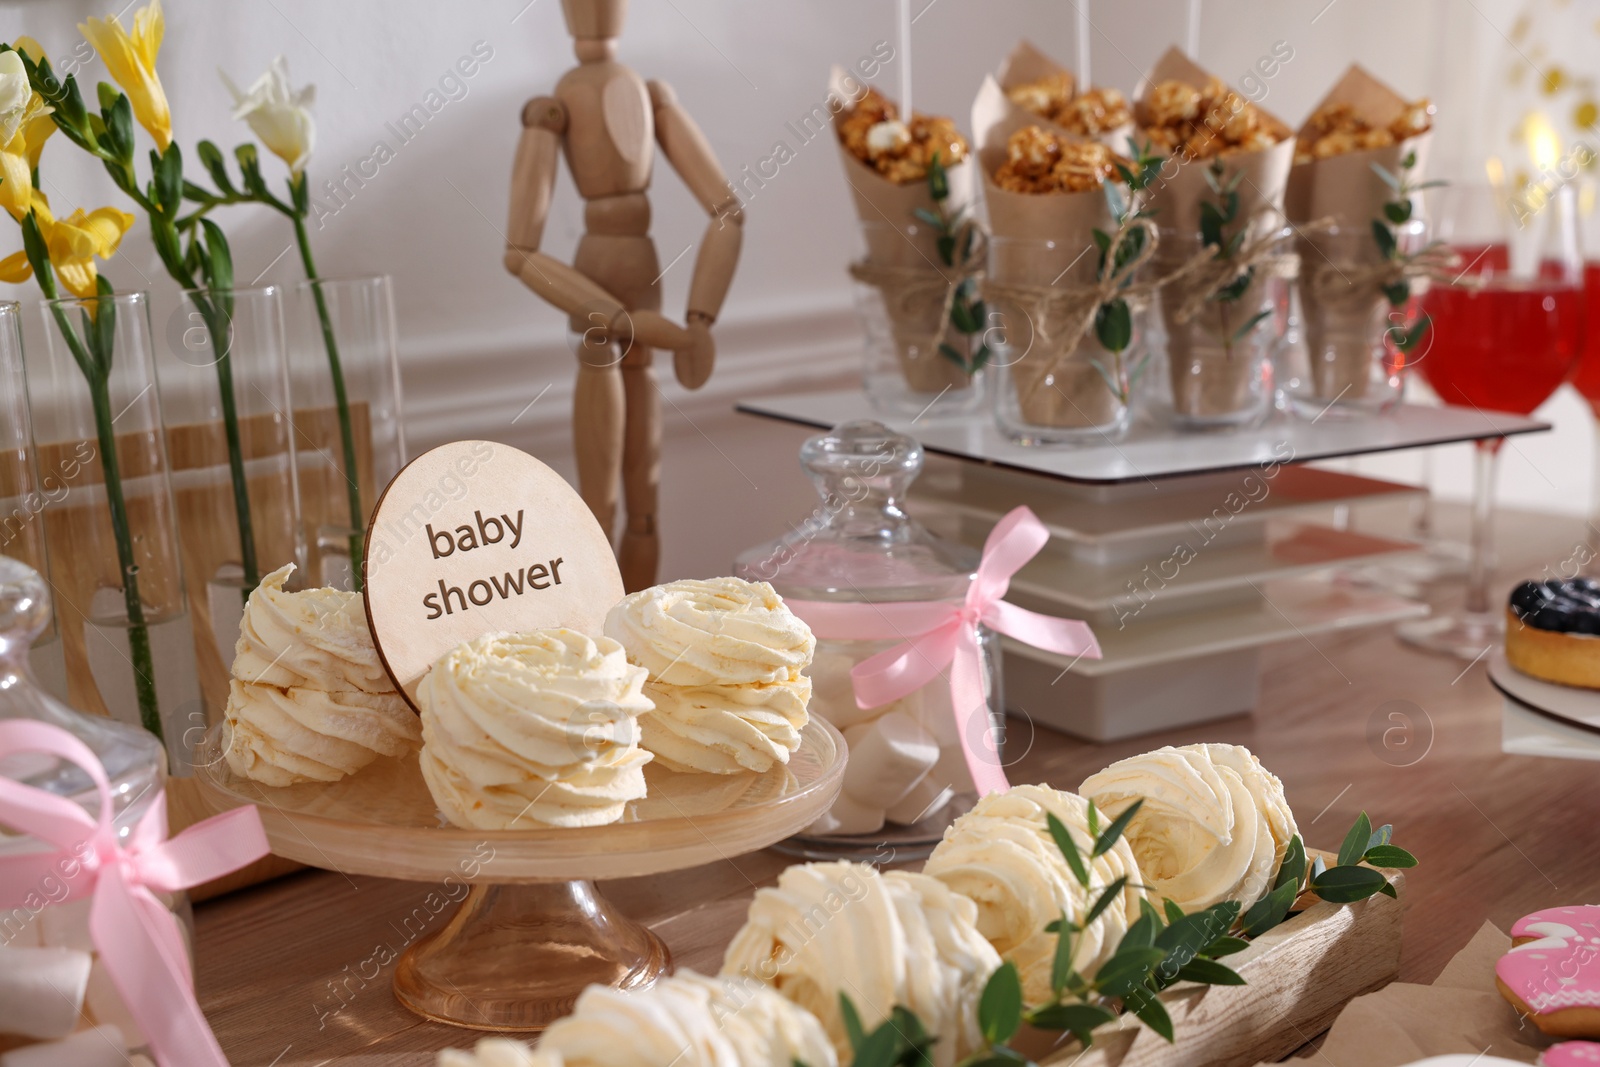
[
  {"x": 53, "y": 988},
  {"x": 908, "y": 777}
]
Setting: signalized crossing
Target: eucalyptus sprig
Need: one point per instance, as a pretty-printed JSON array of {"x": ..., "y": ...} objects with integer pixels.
[
  {"x": 955, "y": 242},
  {"x": 1215, "y": 218},
  {"x": 1397, "y": 212},
  {"x": 1160, "y": 948}
]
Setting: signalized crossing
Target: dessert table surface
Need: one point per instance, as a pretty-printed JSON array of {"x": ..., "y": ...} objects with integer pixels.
[{"x": 297, "y": 972}]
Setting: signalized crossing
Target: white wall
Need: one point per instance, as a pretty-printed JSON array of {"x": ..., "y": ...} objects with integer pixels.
[{"x": 478, "y": 347}]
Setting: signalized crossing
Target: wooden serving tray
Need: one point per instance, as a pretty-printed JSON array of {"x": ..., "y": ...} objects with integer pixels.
[{"x": 1300, "y": 975}]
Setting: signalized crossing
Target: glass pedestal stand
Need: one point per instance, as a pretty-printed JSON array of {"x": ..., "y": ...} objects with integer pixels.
[{"x": 532, "y": 931}]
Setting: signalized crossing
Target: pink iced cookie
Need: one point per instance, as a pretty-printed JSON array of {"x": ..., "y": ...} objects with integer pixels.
[
  {"x": 1571, "y": 1054},
  {"x": 1552, "y": 973}
]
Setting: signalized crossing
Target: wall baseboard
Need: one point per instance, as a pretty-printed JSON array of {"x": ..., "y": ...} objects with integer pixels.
[{"x": 508, "y": 388}]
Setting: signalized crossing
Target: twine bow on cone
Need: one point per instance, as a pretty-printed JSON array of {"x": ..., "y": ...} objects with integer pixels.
[
  {"x": 1077, "y": 305},
  {"x": 1209, "y": 275},
  {"x": 1352, "y": 284},
  {"x": 903, "y": 286}
]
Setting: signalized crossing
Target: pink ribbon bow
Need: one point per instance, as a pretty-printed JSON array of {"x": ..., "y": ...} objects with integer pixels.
[
  {"x": 137, "y": 937},
  {"x": 939, "y": 634}
]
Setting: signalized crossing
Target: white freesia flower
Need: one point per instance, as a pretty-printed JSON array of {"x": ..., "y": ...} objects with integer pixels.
[
  {"x": 277, "y": 114},
  {"x": 15, "y": 95}
]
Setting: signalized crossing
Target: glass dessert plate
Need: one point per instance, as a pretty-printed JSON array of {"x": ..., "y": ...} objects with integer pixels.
[{"x": 533, "y": 931}]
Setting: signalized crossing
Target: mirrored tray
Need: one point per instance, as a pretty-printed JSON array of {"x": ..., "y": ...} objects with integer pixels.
[{"x": 533, "y": 931}]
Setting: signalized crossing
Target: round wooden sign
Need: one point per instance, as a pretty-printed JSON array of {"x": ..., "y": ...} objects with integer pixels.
[{"x": 477, "y": 537}]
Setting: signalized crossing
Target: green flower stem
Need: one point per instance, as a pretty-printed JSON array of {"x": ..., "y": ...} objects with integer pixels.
[
  {"x": 144, "y": 678},
  {"x": 342, "y": 400},
  {"x": 221, "y": 342}
]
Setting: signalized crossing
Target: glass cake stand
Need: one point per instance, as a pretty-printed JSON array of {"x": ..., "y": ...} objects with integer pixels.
[{"x": 532, "y": 931}]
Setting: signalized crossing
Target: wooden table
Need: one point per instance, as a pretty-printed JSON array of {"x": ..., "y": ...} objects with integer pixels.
[{"x": 287, "y": 976}]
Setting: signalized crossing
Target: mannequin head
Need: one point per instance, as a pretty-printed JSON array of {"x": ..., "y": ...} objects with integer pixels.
[{"x": 595, "y": 19}]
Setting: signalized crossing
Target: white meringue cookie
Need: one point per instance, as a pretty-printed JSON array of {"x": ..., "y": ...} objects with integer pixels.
[
  {"x": 1001, "y": 855},
  {"x": 883, "y": 939},
  {"x": 1214, "y": 825}
]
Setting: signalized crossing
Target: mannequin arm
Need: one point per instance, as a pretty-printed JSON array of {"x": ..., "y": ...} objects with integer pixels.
[
  {"x": 686, "y": 149},
  {"x": 533, "y": 181}
]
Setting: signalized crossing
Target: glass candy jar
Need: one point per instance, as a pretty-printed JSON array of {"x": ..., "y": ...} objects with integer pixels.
[
  {"x": 907, "y": 778},
  {"x": 55, "y": 995}
]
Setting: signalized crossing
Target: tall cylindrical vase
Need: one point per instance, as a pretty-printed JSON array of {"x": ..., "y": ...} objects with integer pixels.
[
  {"x": 24, "y": 489},
  {"x": 344, "y": 390},
  {"x": 225, "y": 390},
  {"x": 112, "y": 533}
]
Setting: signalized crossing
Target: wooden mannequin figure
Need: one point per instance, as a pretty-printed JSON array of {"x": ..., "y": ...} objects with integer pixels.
[{"x": 608, "y": 120}]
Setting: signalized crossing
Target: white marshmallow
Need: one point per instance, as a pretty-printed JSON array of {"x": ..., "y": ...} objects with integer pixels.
[
  {"x": 102, "y": 1046},
  {"x": 850, "y": 816},
  {"x": 66, "y": 925},
  {"x": 106, "y": 1007},
  {"x": 924, "y": 800},
  {"x": 41, "y": 991},
  {"x": 888, "y": 757},
  {"x": 833, "y": 695}
]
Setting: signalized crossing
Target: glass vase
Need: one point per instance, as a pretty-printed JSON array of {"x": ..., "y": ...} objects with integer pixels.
[
  {"x": 1219, "y": 354},
  {"x": 112, "y": 532},
  {"x": 344, "y": 391},
  {"x": 62, "y": 992},
  {"x": 1054, "y": 382},
  {"x": 23, "y": 488},
  {"x": 860, "y": 546},
  {"x": 904, "y": 294},
  {"x": 225, "y": 391},
  {"x": 1348, "y": 364}
]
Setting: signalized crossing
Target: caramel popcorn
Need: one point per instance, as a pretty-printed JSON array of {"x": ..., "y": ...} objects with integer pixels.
[
  {"x": 901, "y": 152},
  {"x": 1205, "y": 122},
  {"x": 1054, "y": 97},
  {"x": 1336, "y": 128},
  {"x": 1038, "y": 161}
]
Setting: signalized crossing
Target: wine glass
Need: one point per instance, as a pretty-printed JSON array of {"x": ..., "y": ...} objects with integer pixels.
[
  {"x": 1586, "y": 375},
  {"x": 1507, "y": 329}
]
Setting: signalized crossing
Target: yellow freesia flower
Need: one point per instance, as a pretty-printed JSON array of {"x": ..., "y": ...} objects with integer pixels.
[
  {"x": 38, "y": 128},
  {"x": 76, "y": 240},
  {"x": 15, "y": 268},
  {"x": 132, "y": 64},
  {"x": 25, "y": 124}
]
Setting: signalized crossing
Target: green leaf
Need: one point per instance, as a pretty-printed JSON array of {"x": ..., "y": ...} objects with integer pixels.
[
  {"x": 1355, "y": 842},
  {"x": 1397, "y": 292},
  {"x": 1293, "y": 868},
  {"x": 979, "y": 358},
  {"x": 922, "y": 214},
  {"x": 1061, "y": 963},
  {"x": 1068, "y": 847},
  {"x": 1211, "y": 223},
  {"x": 961, "y": 315},
  {"x": 949, "y": 351},
  {"x": 1150, "y": 1011},
  {"x": 881, "y": 1048},
  {"x": 105, "y": 325},
  {"x": 938, "y": 179},
  {"x": 1210, "y": 972},
  {"x": 1188, "y": 936},
  {"x": 1128, "y": 968},
  {"x": 1000, "y": 1005},
  {"x": 1347, "y": 884},
  {"x": 1092, "y": 817},
  {"x": 852, "y": 1021},
  {"x": 1080, "y": 1020},
  {"x": 1269, "y": 911},
  {"x": 1251, "y": 323},
  {"x": 1226, "y": 945},
  {"x": 1410, "y": 160},
  {"x": 1141, "y": 933},
  {"x": 1381, "y": 836},
  {"x": 1397, "y": 211},
  {"x": 1391, "y": 857},
  {"x": 1113, "y": 328},
  {"x": 119, "y": 128},
  {"x": 946, "y": 247},
  {"x": 33, "y": 244},
  {"x": 1388, "y": 890},
  {"x": 1384, "y": 238},
  {"x": 1108, "y": 896},
  {"x": 1236, "y": 288},
  {"x": 1174, "y": 912},
  {"x": 212, "y": 160},
  {"x": 1113, "y": 833}
]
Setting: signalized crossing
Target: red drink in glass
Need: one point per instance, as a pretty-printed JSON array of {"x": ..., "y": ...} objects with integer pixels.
[{"x": 1586, "y": 376}]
